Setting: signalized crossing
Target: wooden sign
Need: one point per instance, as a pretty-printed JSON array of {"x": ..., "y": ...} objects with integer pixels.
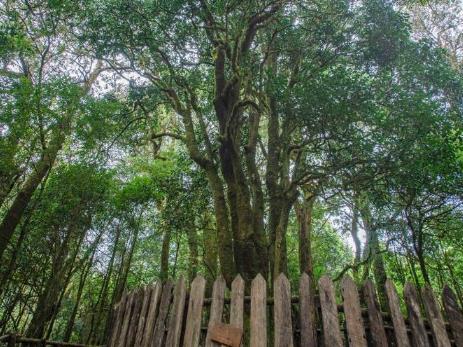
[{"x": 226, "y": 334}]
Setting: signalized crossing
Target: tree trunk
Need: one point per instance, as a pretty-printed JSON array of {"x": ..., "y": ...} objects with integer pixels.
[
  {"x": 193, "y": 252},
  {"x": 355, "y": 237},
  {"x": 17, "y": 208},
  {"x": 423, "y": 268},
  {"x": 372, "y": 251},
  {"x": 101, "y": 304},
  {"x": 304, "y": 217},
  {"x": 80, "y": 290},
  {"x": 210, "y": 252},
  {"x": 223, "y": 227},
  {"x": 63, "y": 263},
  {"x": 164, "y": 274}
]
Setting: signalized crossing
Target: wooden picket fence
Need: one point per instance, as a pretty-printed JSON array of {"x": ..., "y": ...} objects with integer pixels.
[{"x": 165, "y": 315}]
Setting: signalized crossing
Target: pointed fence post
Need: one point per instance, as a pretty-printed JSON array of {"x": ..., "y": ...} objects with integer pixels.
[
  {"x": 282, "y": 312},
  {"x": 132, "y": 332},
  {"x": 121, "y": 341},
  {"x": 258, "y": 312},
  {"x": 454, "y": 315},
  {"x": 160, "y": 328},
  {"x": 119, "y": 319},
  {"x": 375, "y": 319},
  {"x": 331, "y": 329},
  {"x": 237, "y": 302},
  {"x": 353, "y": 313},
  {"x": 156, "y": 291},
  {"x": 307, "y": 312},
  {"x": 420, "y": 336},
  {"x": 400, "y": 331},
  {"x": 218, "y": 296},
  {"x": 435, "y": 318},
  {"x": 142, "y": 317},
  {"x": 176, "y": 317},
  {"x": 195, "y": 310}
]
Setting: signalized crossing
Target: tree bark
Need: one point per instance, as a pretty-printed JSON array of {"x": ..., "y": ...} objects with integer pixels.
[
  {"x": 210, "y": 252},
  {"x": 193, "y": 252},
  {"x": 373, "y": 252},
  {"x": 17, "y": 208},
  {"x": 165, "y": 252},
  {"x": 304, "y": 217}
]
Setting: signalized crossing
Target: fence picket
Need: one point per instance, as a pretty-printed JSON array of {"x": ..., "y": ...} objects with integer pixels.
[
  {"x": 160, "y": 327},
  {"x": 283, "y": 329},
  {"x": 375, "y": 318},
  {"x": 156, "y": 290},
  {"x": 142, "y": 317},
  {"x": 331, "y": 329},
  {"x": 195, "y": 308},
  {"x": 353, "y": 313},
  {"x": 135, "y": 317},
  {"x": 400, "y": 331},
  {"x": 454, "y": 315},
  {"x": 218, "y": 296},
  {"x": 258, "y": 312},
  {"x": 176, "y": 317},
  {"x": 435, "y": 318},
  {"x": 119, "y": 316},
  {"x": 420, "y": 337},
  {"x": 307, "y": 312},
  {"x": 237, "y": 302},
  {"x": 127, "y": 316}
]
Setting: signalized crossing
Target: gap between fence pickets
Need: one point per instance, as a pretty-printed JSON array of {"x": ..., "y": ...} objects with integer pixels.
[{"x": 165, "y": 314}]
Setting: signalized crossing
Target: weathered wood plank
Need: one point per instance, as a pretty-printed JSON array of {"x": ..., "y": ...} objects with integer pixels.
[
  {"x": 218, "y": 296},
  {"x": 454, "y": 315},
  {"x": 420, "y": 337},
  {"x": 400, "y": 331},
  {"x": 375, "y": 319},
  {"x": 435, "y": 318},
  {"x": 176, "y": 316},
  {"x": 195, "y": 307},
  {"x": 307, "y": 312},
  {"x": 135, "y": 318},
  {"x": 127, "y": 316},
  {"x": 331, "y": 330},
  {"x": 353, "y": 313},
  {"x": 156, "y": 291},
  {"x": 118, "y": 321},
  {"x": 142, "y": 316},
  {"x": 258, "y": 312},
  {"x": 160, "y": 328},
  {"x": 282, "y": 312},
  {"x": 237, "y": 302}
]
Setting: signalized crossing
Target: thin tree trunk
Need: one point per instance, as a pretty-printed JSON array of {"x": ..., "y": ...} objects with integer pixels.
[
  {"x": 16, "y": 249},
  {"x": 210, "y": 252},
  {"x": 193, "y": 252},
  {"x": 373, "y": 252},
  {"x": 101, "y": 303},
  {"x": 304, "y": 216},
  {"x": 61, "y": 272},
  {"x": 164, "y": 274},
  {"x": 22, "y": 199},
  {"x": 80, "y": 289}
]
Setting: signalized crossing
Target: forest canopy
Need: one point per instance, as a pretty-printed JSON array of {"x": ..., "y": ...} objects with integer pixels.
[{"x": 146, "y": 140}]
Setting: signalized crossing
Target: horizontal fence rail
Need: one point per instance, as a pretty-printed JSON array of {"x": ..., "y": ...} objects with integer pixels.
[
  {"x": 167, "y": 315},
  {"x": 11, "y": 340}
]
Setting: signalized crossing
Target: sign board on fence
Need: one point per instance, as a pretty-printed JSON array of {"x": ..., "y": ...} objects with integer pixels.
[{"x": 226, "y": 334}]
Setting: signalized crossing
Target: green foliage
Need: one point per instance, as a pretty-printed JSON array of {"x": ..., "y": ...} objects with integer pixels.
[{"x": 367, "y": 120}]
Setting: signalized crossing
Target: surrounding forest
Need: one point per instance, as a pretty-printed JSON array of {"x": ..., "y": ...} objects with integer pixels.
[{"x": 144, "y": 140}]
